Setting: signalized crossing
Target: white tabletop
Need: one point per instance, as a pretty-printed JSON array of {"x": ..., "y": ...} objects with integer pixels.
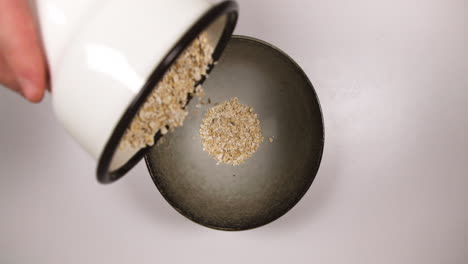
[{"x": 392, "y": 77}]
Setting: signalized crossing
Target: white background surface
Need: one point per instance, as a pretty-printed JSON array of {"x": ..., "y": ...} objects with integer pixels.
[{"x": 392, "y": 188}]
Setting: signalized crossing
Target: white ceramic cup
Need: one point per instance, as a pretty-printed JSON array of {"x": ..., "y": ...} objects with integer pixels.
[{"x": 105, "y": 57}]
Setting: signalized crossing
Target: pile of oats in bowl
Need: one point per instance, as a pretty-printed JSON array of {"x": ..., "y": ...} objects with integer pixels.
[
  {"x": 164, "y": 108},
  {"x": 230, "y": 132}
]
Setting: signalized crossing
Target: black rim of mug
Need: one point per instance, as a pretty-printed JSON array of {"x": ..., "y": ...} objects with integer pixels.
[{"x": 228, "y": 8}]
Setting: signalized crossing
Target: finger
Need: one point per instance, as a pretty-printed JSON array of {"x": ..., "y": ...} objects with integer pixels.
[
  {"x": 21, "y": 48},
  {"x": 6, "y": 77}
]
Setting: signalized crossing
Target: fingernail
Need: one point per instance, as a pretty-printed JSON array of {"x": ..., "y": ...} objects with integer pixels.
[{"x": 27, "y": 88}]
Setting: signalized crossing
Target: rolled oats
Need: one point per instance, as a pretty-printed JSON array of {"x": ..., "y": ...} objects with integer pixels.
[
  {"x": 230, "y": 132},
  {"x": 164, "y": 108}
]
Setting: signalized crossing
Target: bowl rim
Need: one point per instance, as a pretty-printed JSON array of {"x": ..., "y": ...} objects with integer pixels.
[
  {"x": 230, "y": 9},
  {"x": 314, "y": 173}
]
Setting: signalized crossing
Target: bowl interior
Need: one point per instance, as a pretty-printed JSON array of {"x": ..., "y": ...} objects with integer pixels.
[{"x": 276, "y": 177}]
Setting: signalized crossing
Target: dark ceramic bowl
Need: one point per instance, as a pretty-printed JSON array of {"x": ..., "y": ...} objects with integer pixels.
[{"x": 276, "y": 177}]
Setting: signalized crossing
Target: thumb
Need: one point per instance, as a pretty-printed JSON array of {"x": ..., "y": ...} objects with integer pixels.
[{"x": 21, "y": 49}]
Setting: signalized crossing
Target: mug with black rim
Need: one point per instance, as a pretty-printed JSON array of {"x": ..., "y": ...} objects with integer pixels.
[{"x": 105, "y": 58}]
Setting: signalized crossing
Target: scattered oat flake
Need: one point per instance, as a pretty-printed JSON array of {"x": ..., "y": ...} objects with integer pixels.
[
  {"x": 271, "y": 139},
  {"x": 161, "y": 141},
  {"x": 231, "y": 132}
]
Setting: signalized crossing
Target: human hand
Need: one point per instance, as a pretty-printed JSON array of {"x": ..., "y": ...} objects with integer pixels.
[{"x": 23, "y": 66}]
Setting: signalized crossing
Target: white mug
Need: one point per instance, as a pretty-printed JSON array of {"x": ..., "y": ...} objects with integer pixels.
[{"x": 105, "y": 57}]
